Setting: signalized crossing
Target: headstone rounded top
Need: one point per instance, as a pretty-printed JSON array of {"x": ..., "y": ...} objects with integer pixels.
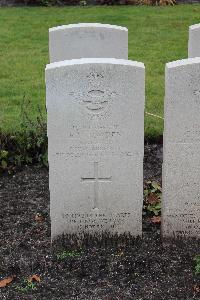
[
  {"x": 194, "y": 26},
  {"x": 84, "y": 40},
  {"x": 194, "y": 41},
  {"x": 87, "y": 25},
  {"x": 183, "y": 62},
  {"x": 83, "y": 61}
]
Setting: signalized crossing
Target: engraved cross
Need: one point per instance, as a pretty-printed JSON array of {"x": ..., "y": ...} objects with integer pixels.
[{"x": 96, "y": 179}]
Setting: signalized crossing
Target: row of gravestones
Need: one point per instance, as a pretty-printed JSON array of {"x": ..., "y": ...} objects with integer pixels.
[{"x": 95, "y": 106}]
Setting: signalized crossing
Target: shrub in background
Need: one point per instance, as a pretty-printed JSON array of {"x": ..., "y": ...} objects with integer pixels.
[
  {"x": 94, "y": 2},
  {"x": 48, "y": 2},
  {"x": 151, "y": 2},
  {"x": 27, "y": 146}
]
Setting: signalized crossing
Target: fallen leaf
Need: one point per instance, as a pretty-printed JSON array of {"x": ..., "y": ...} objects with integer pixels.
[
  {"x": 39, "y": 217},
  {"x": 156, "y": 220},
  {"x": 156, "y": 186},
  {"x": 153, "y": 199},
  {"x": 196, "y": 288},
  {"x": 148, "y": 182},
  {"x": 6, "y": 281},
  {"x": 121, "y": 253},
  {"x": 34, "y": 278}
]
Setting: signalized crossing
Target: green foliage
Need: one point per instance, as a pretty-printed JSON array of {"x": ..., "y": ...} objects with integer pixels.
[
  {"x": 4, "y": 159},
  {"x": 156, "y": 2},
  {"x": 34, "y": 136},
  {"x": 83, "y": 2},
  {"x": 197, "y": 266},
  {"x": 155, "y": 208},
  {"x": 152, "y": 198},
  {"x": 27, "y": 146},
  {"x": 67, "y": 253},
  {"x": 26, "y": 286}
]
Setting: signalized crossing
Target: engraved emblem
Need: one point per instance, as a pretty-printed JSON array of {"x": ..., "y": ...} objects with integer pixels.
[{"x": 96, "y": 100}]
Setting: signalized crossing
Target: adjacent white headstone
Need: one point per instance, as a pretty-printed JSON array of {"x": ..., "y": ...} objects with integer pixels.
[
  {"x": 181, "y": 166},
  {"x": 87, "y": 40},
  {"x": 95, "y": 113},
  {"x": 194, "y": 41}
]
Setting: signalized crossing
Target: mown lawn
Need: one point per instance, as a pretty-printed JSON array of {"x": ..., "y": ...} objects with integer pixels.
[{"x": 156, "y": 35}]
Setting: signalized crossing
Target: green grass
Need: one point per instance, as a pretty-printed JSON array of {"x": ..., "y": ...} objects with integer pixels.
[{"x": 157, "y": 35}]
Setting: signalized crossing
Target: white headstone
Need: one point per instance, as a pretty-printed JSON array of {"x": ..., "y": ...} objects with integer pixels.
[
  {"x": 87, "y": 40},
  {"x": 181, "y": 166},
  {"x": 194, "y": 41},
  {"x": 95, "y": 113}
]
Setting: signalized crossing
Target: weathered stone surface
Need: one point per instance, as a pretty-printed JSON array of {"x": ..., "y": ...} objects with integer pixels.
[
  {"x": 194, "y": 41},
  {"x": 96, "y": 139},
  {"x": 87, "y": 40},
  {"x": 181, "y": 150}
]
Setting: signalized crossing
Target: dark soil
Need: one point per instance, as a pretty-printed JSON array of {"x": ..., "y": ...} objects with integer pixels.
[{"x": 112, "y": 269}]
